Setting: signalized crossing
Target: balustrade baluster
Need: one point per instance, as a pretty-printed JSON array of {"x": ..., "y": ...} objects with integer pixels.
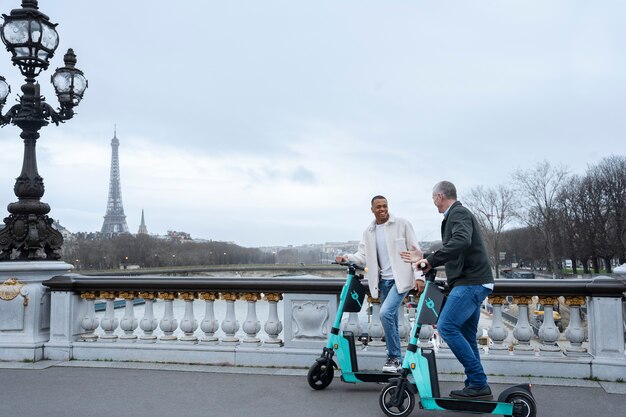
[
  {"x": 252, "y": 325},
  {"x": 548, "y": 332},
  {"x": 273, "y": 325},
  {"x": 575, "y": 333},
  {"x": 230, "y": 325},
  {"x": 352, "y": 325},
  {"x": 90, "y": 322},
  {"x": 425, "y": 336},
  {"x": 523, "y": 332},
  {"x": 109, "y": 323},
  {"x": 168, "y": 323},
  {"x": 188, "y": 324},
  {"x": 209, "y": 324},
  {"x": 128, "y": 323},
  {"x": 148, "y": 323},
  {"x": 375, "y": 328},
  {"x": 498, "y": 331},
  {"x": 404, "y": 327}
]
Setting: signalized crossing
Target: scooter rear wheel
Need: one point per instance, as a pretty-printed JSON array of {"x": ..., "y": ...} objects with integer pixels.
[
  {"x": 527, "y": 403},
  {"x": 320, "y": 375},
  {"x": 394, "y": 403}
]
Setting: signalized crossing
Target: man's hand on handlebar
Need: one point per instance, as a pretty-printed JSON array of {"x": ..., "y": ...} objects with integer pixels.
[{"x": 341, "y": 259}]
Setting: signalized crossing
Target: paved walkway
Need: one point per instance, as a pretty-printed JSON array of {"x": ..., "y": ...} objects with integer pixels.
[{"x": 121, "y": 389}]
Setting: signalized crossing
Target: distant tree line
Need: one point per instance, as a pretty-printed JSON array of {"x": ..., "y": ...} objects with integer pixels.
[
  {"x": 93, "y": 251},
  {"x": 559, "y": 217}
]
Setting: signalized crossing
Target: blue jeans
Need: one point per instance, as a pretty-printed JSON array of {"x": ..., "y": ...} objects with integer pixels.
[
  {"x": 458, "y": 324},
  {"x": 390, "y": 300}
]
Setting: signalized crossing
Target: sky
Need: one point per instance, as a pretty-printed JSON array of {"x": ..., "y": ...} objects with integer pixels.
[{"x": 273, "y": 123}]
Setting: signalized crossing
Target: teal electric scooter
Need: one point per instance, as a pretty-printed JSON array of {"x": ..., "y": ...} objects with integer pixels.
[
  {"x": 419, "y": 374},
  {"x": 341, "y": 344}
]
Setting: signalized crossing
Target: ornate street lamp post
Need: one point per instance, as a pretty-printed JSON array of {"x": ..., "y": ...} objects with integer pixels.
[{"x": 32, "y": 41}]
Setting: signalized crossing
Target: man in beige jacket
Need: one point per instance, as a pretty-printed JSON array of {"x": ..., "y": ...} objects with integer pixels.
[{"x": 387, "y": 274}]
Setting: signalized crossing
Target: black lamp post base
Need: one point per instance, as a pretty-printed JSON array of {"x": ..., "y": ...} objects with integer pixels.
[{"x": 30, "y": 237}]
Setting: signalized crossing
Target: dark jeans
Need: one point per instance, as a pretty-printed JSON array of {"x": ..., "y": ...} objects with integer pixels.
[{"x": 458, "y": 324}]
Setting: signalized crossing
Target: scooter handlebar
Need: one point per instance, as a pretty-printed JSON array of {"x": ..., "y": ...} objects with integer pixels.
[{"x": 430, "y": 275}]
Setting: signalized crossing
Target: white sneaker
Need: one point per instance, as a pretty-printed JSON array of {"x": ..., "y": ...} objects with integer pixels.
[{"x": 392, "y": 365}]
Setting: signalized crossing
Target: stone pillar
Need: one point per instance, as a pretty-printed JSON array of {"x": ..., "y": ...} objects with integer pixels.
[
  {"x": 375, "y": 328},
  {"x": 548, "y": 332},
  {"x": 89, "y": 322},
  {"x": 404, "y": 327},
  {"x": 209, "y": 324},
  {"x": 230, "y": 325},
  {"x": 148, "y": 322},
  {"x": 606, "y": 337},
  {"x": 188, "y": 324},
  {"x": 523, "y": 332},
  {"x": 25, "y": 308},
  {"x": 129, "y": 322},
  {"x": 273, "y": 325},
  {"x": 67, "y": 310},
  {"x": 353, "y": 325},
  {"x": 109, "y": 323},
  {"x": 575, "y": 333},
  {"x": 425, "y": 336},
  {"x": 498, "y": 331},
  {"x": 252, "y": 325},
  {"x": 606, "y": 328},
  {"x": 168, "y": 323}
]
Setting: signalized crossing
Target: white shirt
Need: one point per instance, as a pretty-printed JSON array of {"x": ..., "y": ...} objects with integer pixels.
[{"x": 384, "y": 263}]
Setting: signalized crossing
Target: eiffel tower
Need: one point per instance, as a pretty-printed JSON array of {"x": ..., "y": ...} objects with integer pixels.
[{"x": 114, "y": 219}]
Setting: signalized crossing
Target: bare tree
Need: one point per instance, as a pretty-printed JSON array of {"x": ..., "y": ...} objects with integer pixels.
[
  {"x": 611, "y": 174},
  {"x": 538, "y": 189},
  {"x": 494, "y": 208}
]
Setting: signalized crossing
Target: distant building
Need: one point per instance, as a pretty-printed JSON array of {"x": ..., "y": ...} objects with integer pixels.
[
  {"x": 143, "y": 230},
  {"x": 114, "y": 219}
]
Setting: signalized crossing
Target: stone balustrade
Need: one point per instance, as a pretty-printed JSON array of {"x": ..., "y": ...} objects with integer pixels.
[{"x": 297, "y": 313}]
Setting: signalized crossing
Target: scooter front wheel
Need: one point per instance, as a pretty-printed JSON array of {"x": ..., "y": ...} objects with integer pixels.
[
  {"x": 320, "y": 375},
  {"x": 396, "y": 401},
  {"x": 523, "y": 404}
]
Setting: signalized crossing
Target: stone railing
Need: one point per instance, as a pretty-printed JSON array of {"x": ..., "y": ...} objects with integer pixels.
[{"x": 285, "y": 321}]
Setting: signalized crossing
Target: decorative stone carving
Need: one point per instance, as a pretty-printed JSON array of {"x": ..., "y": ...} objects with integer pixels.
[
  {"x": 12, "y": 309},
  {"x": 309, "y": 320}
]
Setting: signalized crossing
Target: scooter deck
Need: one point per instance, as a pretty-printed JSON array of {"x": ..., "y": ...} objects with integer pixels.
[
  {"x": 375, "y": 376},
  {"x": 458, "y": 404}
]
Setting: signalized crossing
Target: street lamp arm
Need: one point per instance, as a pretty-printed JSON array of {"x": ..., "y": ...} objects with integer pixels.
[
  {"x": 56, "y": 117},
  {"x": 8, "y": 117}
]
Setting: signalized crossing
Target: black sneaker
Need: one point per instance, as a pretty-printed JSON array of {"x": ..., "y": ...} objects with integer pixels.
[
  {"x": 472, "y": 393},
  {"x": 392, "y": 365}
]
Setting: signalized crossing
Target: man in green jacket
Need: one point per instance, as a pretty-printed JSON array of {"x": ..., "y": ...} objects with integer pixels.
[{"x": 469, "y": 276}]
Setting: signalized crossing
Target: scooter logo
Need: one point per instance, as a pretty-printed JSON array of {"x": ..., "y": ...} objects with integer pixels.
[
  {"x": 355, "y": 297},
  {"x": 431, "y": 304}
]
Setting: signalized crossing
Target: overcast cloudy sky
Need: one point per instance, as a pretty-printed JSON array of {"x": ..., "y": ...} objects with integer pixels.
[{"x": 275, "y": 122}]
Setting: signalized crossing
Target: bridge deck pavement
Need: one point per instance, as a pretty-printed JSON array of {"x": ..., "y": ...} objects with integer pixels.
[{"x": 103, "y": 389}]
